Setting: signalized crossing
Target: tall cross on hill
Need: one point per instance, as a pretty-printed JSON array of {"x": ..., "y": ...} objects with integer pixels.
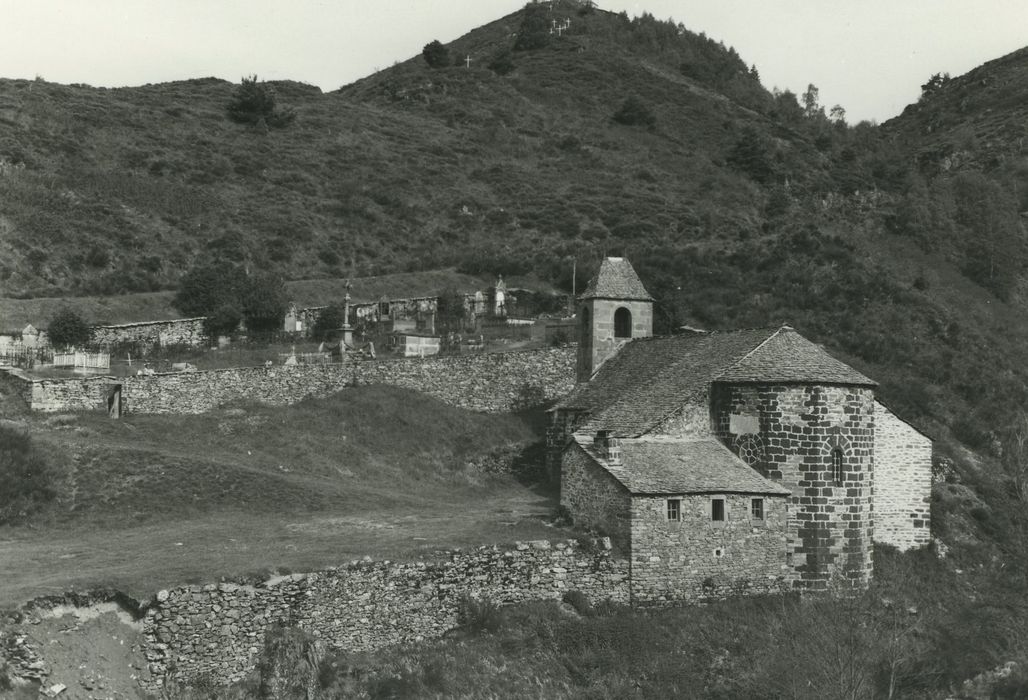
[{"x": 467, "y": 61}]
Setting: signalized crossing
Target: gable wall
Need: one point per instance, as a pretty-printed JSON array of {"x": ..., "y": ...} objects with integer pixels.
[
  {"x": 676, "y": 561},
  {"x": 691, "y": 420},
  {"x": 788, "y": 434},
  {"x": 903, "y": 482},
  {"x": 593, "y": 497}
]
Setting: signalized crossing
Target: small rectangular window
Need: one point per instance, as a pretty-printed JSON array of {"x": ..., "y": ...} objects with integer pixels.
[
  {"x": 717, "y": 510},
  {"x": 674, "y": 510},
  {"x": 757, "y": 508}
]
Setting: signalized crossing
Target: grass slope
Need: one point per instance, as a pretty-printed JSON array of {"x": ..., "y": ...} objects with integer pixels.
[{"x": 152, "y": 501}]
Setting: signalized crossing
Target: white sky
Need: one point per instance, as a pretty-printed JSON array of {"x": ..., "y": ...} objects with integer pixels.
[{"x": 871, "y": 56}]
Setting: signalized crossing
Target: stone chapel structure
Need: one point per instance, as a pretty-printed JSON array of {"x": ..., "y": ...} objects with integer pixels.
[{"x": 728, "y": 463}]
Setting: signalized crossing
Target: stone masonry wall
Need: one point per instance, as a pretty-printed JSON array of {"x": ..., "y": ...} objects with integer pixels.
[
  {"x": 697, "y": 559},
  {"x": 148, "y": 334},
  {"x": 903, "y": 482},
  {"x": 593, "y": 497},
  {"x": 77, "y": 394},
  {"x": 217, "y": 629},
  {"x": 789, "y": 433},
  {"x": 490, "y": 382}
]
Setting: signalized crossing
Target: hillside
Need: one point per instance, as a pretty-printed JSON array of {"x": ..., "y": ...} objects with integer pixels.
[
  {"x": 373, "y": 470},
  {"x": 738, "y": 206}
]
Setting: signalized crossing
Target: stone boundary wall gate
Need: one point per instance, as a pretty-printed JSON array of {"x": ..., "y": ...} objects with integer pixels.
[{"x": 489, "y": 382}]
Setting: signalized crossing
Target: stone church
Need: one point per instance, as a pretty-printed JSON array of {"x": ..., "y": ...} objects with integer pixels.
[{"x": 728, "y": 463}]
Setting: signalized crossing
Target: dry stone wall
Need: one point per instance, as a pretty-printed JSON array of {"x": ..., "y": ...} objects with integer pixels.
[
  {"x": 903, "y": 482},
  {"x": 84, "y": 394},
  {"x": 149, "y": 334},
  {"x": 217, "y": 630},
  {"x": 491, "y": 382}
]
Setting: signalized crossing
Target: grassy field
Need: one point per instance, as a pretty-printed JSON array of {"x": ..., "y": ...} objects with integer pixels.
[{"x": 148, "y": 502}]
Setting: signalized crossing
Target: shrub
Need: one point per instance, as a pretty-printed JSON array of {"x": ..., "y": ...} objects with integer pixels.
[
  {"x": 502, "y": 63},
  {"x": 580, "y": 602},
  {"x": 264, "y": 304},
  {"x": 253, "y": 103},
  {"x": 435, "y": 54},
  {"x": 28, "y": 478},
  {"x": 67, "y": 329},
  {"x": 535, "y": 28},
  {"x": 224, "y": 293},
  {"x": 329, "y": 321},
  {"x": 479, "y": 614},
  {"x": 634, "y": 112}
]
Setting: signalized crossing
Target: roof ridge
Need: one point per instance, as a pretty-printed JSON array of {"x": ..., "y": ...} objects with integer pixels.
[
  {"x": 759, "y": 345},
  {"x": 674, "y": 367}
]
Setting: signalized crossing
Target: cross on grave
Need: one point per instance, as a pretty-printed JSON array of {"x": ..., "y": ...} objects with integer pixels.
[{"x": 467, "y": 61}]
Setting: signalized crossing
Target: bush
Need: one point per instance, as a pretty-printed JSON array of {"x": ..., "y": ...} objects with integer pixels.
[
  {"x": 224, "y": 293},
  {"x": 535, "y": 29},
  {"x": 634, "y": 112},
  {"x": 502, "y": 63},
  {"x": 265, "y": 303},
  {"x": 253, "y": 103},
  {"x": 329, "y": 322},
  {"x": 28, "y": 478},
  {"x": 435, "y": 54},
  {"x": 580, "y": 602},
  {"x": 67, "y": 329},
  {"x": 479, "y": 614}
]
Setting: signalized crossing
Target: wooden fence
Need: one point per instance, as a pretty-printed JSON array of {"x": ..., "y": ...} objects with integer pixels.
[{"x": 82, "y": 360}]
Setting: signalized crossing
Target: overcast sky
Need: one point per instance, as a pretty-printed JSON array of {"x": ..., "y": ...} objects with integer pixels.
[{"x": 870, "y": 56}]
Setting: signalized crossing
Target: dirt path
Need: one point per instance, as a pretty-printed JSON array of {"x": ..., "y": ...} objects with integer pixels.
[
  {"x": 92, "y": 653},
  {"x": 143, "y": 559}
]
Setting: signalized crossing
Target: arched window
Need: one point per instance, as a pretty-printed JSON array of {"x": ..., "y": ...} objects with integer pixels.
[
  {"x": 622, "y": 323},
  {"x": 837, "y": 465}
]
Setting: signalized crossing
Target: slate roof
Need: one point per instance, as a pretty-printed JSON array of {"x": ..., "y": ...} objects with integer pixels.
[
  {"x": 616, "y": 280},
  {"x": 790, "y": 358},
  {"x": 677, "y": 466},
  {"x": 651, "y": 378}
]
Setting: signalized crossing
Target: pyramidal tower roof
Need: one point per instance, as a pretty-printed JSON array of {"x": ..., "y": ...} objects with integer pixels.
[{"x": 616, "y": 280}]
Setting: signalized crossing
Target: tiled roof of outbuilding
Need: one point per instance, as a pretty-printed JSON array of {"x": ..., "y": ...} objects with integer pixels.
[
  {"x": 651, "y": 378},
  {"x": 672, "y": 466},
  {"x": 616, "y": 280}
]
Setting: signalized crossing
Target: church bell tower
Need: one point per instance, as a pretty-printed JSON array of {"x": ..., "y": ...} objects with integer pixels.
[{"x": 614, "y": 309}]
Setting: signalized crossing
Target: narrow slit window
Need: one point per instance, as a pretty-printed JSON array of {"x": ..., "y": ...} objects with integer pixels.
[
  {"x": 757, "y": 508},
  {"x": 837, "y": 465},
  {"x": 717, "y": 510},
  {"x": 674, "y": 510}
]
